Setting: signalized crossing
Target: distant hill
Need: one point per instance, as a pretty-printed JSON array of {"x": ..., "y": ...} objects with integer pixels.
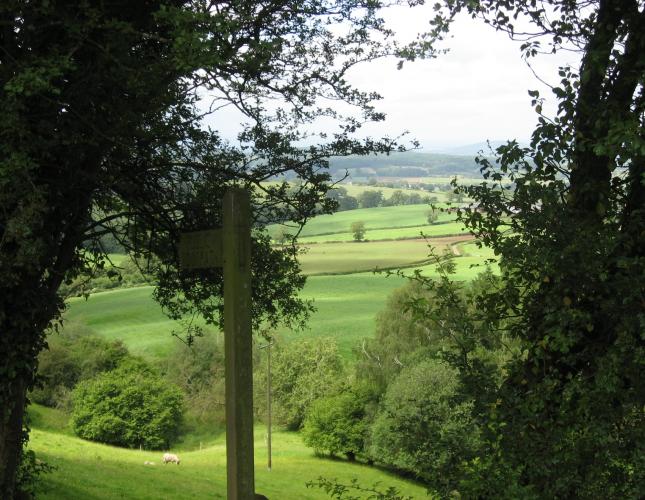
[
  {"x": 471, "y": 149},
  {"x": 474, "y": 149},
  {"x": 407, "y": 164}
]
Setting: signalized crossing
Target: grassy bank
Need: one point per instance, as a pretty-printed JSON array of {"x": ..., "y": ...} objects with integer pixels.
[{"x": 89, "y": 471}]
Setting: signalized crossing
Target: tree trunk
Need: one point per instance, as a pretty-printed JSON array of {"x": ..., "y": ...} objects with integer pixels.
[{"x": 11, "y": 437}]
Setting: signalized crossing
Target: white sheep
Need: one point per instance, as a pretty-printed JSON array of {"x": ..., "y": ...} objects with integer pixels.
[{"x": 170, "y": 457}]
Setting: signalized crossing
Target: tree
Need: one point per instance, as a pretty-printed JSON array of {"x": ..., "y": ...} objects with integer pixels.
[
  {"x": 198, "y": 370},
  {"x": 347, "y": 203},
  {"x": 398, "y": 198},
  {"x": 370, "y": 198},
  {"x": 302, "y": 371},
  {"x": 425, "y": 427},
  {"x": 400, "y": 339},
  {"x": 101, "y": 135},
  {"x": 73, "y": 355},
  {"x": 432, "y": 215},
  {"x": 570, "y": 235},
  {"x": 358, "y": 230},
  {"x": 130, "y": 406}
]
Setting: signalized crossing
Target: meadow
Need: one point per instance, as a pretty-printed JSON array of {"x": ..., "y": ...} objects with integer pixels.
[
  {"x": 401, "y": 216},
  {"x": 449, "y": 228},
  {"x": 346, "y": 304},
  {"x": 347, "y": 295},
  {"x": 89, "y": 471},
  {"x": 350, "y": 257}
]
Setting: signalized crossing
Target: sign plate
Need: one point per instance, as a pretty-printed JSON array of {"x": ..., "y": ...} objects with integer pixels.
[{"x": 201, "y": 249}]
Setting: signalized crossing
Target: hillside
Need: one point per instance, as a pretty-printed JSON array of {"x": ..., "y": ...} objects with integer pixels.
[
  {"x": 405, "y": 164},
  {"x": 91, "y": 471}
]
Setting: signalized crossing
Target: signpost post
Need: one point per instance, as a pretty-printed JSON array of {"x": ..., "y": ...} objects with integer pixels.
[{"x": 230, "y": 248}]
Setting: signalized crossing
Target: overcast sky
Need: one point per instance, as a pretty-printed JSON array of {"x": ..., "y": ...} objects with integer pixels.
[{"x": 475, "y": 92}]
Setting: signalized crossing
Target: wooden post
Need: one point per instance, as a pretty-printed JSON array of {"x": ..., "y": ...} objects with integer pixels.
[
  {"x": 269, "y": 405},
  {"x": 236, "y": 235}
]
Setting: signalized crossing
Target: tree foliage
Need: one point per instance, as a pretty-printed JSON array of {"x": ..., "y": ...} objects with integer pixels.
[
  {"x": 101, "y": 134},
  {"x": 425, "y": 426},
  {"x": 302, "y": 371},
  {"x": 399, "y": 337},
  {"x": 337, "y": 424},
  {"x": 130, "y": 406},
  {"x": 569, "y": 237},
  {"x": 370, "y": 198},
  {"x": 72, "y": 356},
  {"x": 358, "y": 230},
  {"x": 198, "y": 370}
]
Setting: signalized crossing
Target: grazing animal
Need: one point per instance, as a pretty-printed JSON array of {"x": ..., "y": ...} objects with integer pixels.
[
  {"x": 170, "y": 457},
  {"x": 148, "y": 463}
]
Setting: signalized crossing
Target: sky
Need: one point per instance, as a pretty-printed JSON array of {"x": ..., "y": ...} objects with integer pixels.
[{"x": 478, "y": 91}]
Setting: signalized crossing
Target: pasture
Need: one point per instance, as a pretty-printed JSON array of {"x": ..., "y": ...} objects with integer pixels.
[
  {"x": 346, "y": 309},
  {"x": 395, "y": 233},
  {"x": 91, "y": 471},
  {"x": 347, "y": 296},
  {"x": 374, "y": 218},
  {"x": 352, "y": 256}
]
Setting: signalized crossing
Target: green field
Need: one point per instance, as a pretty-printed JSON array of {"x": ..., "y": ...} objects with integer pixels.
[
  {"x": 346, "y": 304},
  {"x": 90, "y": 471},
  {"x": 346, "y": 309},
  {"x": 374, "y": 218},
  {"x": 352, "y": 256},
  {"x": 445, "y": 229}
]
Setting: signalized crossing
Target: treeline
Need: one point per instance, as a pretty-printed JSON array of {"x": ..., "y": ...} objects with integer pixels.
[
  {"x": 375, "y": 198},
  {"x": 106, "y": 275},
  {"x": 117, "y": 398},
  {"x": 406, "y": 164}
]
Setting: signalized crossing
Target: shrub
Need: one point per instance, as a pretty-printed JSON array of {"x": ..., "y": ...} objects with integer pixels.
[
  {"x": 130, "y": 406},
  {"x": 337, "y": 424}
]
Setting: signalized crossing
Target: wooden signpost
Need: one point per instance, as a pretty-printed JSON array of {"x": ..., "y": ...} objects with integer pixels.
[{"x": 230, "y": 248}]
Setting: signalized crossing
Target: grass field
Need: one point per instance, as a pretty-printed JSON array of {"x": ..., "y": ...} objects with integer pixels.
[
  {"x": 374, "y": 218},
  {"x": 90, "y": 471},
  {"x": 347, "y": 257},
  {"x": 347, "y": 306},
  {"x": 445, "y": 229},
  {"x": 346, "y": 309}
]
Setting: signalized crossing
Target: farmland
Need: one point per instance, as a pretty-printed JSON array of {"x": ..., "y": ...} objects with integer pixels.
[
  {"x": 347, "y": 295},
  {"x": 404, "y": 216}
]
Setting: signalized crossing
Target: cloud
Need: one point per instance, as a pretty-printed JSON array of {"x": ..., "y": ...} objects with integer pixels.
[{"x": 477, "y": 91}]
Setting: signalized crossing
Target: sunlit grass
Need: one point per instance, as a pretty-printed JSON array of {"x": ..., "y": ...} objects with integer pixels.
[{"x": 86, "y": 470}]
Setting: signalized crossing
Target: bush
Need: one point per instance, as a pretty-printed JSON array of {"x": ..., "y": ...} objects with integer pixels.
[
  {"x": 337, "y": 424},
  {"x": 130, "y": 406},
  {"x": 424, "y": 427}
]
